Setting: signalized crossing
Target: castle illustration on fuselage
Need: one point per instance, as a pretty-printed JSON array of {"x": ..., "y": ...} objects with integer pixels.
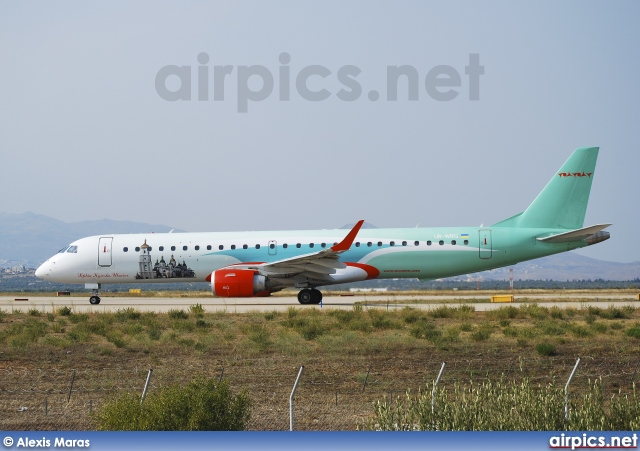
[{"x": 161, "y": 269}]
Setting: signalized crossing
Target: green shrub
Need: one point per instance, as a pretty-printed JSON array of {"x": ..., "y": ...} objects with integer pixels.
[
  {"x": 483, "y": 333},
  {"x": 197, "y": 310},
  {"x": 546, "y": 349},
  {"x": 64, "y": 311},
  {"x": 634, "y": 332},
  {"x": 34, "y": 312},
  {"x": 614, "y": 313},
  {"x": 178, "y": 314},
  {"x": 426, "y": 330},
  {"x": 128, "y": 313},
  {"x": 201, "y": 405},
  {"x": 507, "y": 406}
]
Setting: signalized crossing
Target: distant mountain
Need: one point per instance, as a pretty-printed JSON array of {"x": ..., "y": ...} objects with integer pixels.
[
  {"x": 565, "y": 266},
  {"x": 29, "y": 239}
]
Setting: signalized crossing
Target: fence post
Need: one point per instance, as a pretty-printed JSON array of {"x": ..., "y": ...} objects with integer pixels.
[
  {"x": 146, "y": 386},
  {"x": 73, "y": 376},
  {"x": 366, "y": 379},
  {"x": 433, "y": 392},
  {"x": 293, "y": 392},
  {"x": 566, "y": 391}
]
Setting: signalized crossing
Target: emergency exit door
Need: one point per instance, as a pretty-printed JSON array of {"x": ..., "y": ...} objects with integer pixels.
[
  {"x": 104, "y": 251},
  {"x": 485, "y": 243}
]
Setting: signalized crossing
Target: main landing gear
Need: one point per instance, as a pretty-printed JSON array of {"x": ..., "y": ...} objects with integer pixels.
[{"x": 310, "y": 296}]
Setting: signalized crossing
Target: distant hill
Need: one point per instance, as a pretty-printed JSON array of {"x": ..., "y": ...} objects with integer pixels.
[
  {"x": 29, "y": 239},
  {"x": 562, "y": 267}
]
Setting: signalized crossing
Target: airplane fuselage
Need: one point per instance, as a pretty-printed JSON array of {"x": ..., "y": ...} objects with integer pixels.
[{"x": 422, "y": 253}]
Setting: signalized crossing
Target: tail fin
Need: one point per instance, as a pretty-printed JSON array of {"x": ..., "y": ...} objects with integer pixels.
[{"x": 563, "y": 202}]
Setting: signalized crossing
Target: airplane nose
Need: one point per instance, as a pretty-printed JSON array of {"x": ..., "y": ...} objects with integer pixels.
[{"x": 43, "y": 270}]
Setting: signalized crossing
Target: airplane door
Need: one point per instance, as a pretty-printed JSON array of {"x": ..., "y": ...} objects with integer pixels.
[
  {"x": 104, "y": 251},
  {"x": 485, "y": 243},
  {"x": 273, "y": 247}
]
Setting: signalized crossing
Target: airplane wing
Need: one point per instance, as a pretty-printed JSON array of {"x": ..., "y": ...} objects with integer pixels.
[
  {"x": 316, "y": 265},
  {"x": 574, "y": 235}
]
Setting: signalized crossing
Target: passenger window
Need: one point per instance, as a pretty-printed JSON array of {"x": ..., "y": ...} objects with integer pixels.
[
  {"x": 298, "y": 245},
  {"x": 466, "y": 242},
  {"x": 161, "y": 248},
  {"x": 244, "y": 246},
  {"x": 184, "y": 248},
  {"x": 221, "y": 247},
  {"x": 125, "y": 249},
  {"x": 379, "y": 243},
  {"x": 137, "y": 249},
  {"x": 453, "y": 242},
  {"x": 311, "y": 245},
  {"x": 369, "y": 243},
  {"x": 284, "y": 246},
  {"x": 257, "y": 246},
  {"x": 404, "y": 243},
  {"x": 416, "y": 243},
  {"x": 440, "y": 242},
  {"x": 357, "y": 244},
  {"x": 208, "y": 247},
  {"x": 392, "y": 243},
  {"x": 429, "y": 243},
  {"x": 233, "y": 246},
  {"x": 173, "y": 248},
  {"x": 323, "y": 245},
  {"x": 197, "y": 248}
]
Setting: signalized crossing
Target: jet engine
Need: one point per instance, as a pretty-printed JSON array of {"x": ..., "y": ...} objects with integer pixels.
[{"x": 238, "y": 283}]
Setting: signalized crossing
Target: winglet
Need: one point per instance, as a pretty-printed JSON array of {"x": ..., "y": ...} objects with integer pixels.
[{"x": 345, "y": 244}]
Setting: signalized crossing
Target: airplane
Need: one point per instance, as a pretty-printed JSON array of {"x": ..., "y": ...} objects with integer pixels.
[{"x": 253, "y": 264}]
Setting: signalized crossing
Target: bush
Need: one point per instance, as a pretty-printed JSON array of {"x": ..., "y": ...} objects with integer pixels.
[
  {"x": 64, "y": 311},
  {"x": 197, "y": 310},
  {"x": 634, "y": 331},
  {"x": 201, "y": 405},
  {"x": 546, "y": 349},
  {"x": 507, "y": 406},
  {"x": 178, "y": 314}
]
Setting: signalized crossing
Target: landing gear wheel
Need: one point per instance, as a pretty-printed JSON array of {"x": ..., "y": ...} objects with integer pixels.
[
  {"x": 316, "y": 296},
  {"x": 94, "y": 300},
  {"x": 310, "y": 296},
  {"x": 305, "y": 296}
]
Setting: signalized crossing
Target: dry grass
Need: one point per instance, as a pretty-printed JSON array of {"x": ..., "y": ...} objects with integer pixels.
[{"x": 351, "y": 358}]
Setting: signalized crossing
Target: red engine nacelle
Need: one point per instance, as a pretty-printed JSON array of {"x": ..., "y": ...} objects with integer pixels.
[{"x": 238, "y": 283}]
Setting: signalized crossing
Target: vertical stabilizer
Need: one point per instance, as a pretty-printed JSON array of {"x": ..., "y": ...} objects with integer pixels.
[{"x": 563, "y": 202}]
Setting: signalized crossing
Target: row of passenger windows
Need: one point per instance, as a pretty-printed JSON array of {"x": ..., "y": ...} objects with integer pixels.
[{"x": 298, "y": 245}]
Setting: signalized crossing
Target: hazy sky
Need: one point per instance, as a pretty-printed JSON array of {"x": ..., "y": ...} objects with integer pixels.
[{"x": 85, "y": 134}]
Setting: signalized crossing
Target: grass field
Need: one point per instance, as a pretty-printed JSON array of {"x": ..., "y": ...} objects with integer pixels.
[{"x": 57, "y": 367}]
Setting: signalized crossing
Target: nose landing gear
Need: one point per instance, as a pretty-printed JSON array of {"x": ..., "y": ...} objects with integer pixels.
[{"x": 95, "y": 290}]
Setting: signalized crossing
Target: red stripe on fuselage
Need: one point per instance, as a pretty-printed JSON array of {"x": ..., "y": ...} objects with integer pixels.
[{"x": 372, "y": 272}]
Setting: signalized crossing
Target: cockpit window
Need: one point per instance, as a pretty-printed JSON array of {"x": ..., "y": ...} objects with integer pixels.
[
  {"x": 61, "y": 251},
  {"x": 72, "y": 250}
]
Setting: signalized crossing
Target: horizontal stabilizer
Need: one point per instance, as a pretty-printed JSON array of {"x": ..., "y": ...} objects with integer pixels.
[{"x": 574, "y": 235}]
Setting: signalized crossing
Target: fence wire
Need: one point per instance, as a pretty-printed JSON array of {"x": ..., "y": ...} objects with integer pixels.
[{"x": 330, "y": 397}]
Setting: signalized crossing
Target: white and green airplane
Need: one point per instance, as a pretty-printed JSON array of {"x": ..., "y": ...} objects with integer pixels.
[{"x": 248, "y": 264}]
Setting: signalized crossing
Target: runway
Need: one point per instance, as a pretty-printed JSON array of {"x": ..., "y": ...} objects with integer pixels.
[{"x": 386, "y": 301}]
